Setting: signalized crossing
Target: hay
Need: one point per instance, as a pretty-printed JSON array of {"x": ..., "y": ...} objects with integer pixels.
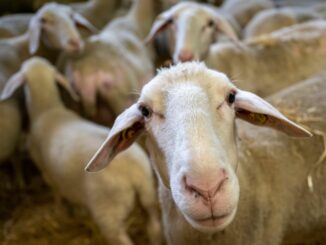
[{"x": 31, "y": 214}]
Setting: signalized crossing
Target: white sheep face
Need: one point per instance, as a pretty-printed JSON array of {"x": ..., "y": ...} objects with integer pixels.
[
  {"x": 193, "y": 31},
  {"x": 188, "y": 113},
  {"x": 56, "y": 26},
  {"x": 193, "y": 125},
  {"x": 190, "y": 29},
  {"x": 60, "y": 29}
]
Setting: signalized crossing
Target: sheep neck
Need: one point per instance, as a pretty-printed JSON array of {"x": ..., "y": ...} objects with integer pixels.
[
  {"x": 21, "y": 44},
  {"x": 40, "y": 100},
  {"x": 97, "y": 6},
  {"x": 267, "y": 172},
  {"x": 93, "y": 9},
  {"x": 143, "y": 14}
]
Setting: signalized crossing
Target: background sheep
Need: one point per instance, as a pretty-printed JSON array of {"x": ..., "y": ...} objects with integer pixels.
[
  {"x": 31, "y": 214},
  {"x": 244, "y": 10},
  {"x": 273, "y": 19},
  {"x": 188, "y": 29},
  {"x": 97, "y": 75},
  {"x": 14, "y": 25},
  {"x": 272, "y": 62},
  {"x": 69, "y": 142},
  {"x": 97, "y": 12},
  {"x": 53, "y": 27},
  {"x": 188, "y": 113}
]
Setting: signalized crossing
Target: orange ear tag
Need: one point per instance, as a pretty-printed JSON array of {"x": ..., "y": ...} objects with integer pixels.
[
  {"x": 258, "y": 118},
  {"x": 128, "y": 134}
]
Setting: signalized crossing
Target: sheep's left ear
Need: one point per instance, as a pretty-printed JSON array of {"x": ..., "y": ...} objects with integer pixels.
[
  {"x": 160, "y": 24},
  {"x": 34, "y": 34},
  {"x": 225, "y": 27},
  {"x": 126, "y": 129},
  {"x": 255, "y": 110},
  {"x": 83, "y": 22}
]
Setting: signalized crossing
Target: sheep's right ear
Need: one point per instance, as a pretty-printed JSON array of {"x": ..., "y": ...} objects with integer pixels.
[
  {"x": 126, "y": 129},
  {"x": 16, "y": 81},
  {"x": 161, "y": 23},
  {"x": 34, "y": 34},
  {"x": 66, "y": 85}
]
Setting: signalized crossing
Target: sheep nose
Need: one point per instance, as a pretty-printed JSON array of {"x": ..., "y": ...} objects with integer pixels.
[
  {"x": 74, "y": 44},
  {"x": 185, "y": 55},
  {"x": 206, "y": 189}
]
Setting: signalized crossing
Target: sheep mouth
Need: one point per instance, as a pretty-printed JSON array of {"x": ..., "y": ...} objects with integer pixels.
[
  {"x": 213, "y": 220},
  {"x": 212, "y": 223}
]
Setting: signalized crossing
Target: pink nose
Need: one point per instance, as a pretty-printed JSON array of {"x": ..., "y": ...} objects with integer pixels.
[
  {"x": 185, "y": 55},
  {"x": 203, "y": 188},
  {"x": 74, "y": 44}
]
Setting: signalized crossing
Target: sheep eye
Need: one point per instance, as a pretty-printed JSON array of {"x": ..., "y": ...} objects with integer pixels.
[
  {"x": 145, "y": 111},
  {"x": 231, "y": 98},
  {"x": 211, "y": 23},
  {"x": 43, "y": 20}
]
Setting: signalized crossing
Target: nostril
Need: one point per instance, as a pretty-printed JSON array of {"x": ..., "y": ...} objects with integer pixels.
[
  {"x": 74, "y": 43},
  {"x": 195, "y": 190},
  {"x": 203, "y": 188},
  {"x": 219, "y": 186},
  {"x": 185, "y": 55}
]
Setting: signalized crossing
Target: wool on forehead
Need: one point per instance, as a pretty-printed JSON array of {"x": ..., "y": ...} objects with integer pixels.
[
  {"x": 188, "y": 71},
  {"x": 154, "y": 93}
]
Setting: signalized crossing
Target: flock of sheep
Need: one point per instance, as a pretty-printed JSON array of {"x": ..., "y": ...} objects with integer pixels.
[{"x": 69, "y": 72}]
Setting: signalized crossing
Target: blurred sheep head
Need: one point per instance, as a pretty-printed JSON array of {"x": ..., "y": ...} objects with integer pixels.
[
  {"x": 56, "y": 26},
  {"x": 190, "y": 29}
]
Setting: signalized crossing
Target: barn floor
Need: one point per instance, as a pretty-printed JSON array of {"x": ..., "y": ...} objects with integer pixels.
[{"x": 31, "y": 214}]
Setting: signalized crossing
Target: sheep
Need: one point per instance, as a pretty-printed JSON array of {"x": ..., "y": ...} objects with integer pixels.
[
  {"x": 14, "y": 25},
  {"x": 61, "y": 142},
  {"x": 98, "y": 12},
  {"x": 269, "y": 63},
  {"x": 217, "y": 186},
  {"x": 244, "y": 10},
  {"x": 190, "y": 28},
  {"x": 53, "y": 25},
  {"x": 10, "y": 128},
  {"x": 271, "y": 20},
  {"x": 113, "y": 66}
]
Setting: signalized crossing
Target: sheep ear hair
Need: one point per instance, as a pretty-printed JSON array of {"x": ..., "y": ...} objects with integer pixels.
[
  {"x": 66, "y": 85},
  {"x": 253, "y": 109},
  {"x": 224, "y": 26},
  {"x": 16, "y": 80},
  {"x": 126, "y": 129},
  {"x": 34, "y": 34},
  {"x": 83, "y": 22}
]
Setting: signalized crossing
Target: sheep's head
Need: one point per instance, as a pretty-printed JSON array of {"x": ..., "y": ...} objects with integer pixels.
[
  {"x": 56, "y": 26},
  {"x": 188, "y": 113},
  {"x": 38, "y": 76},
  {"x": 191, "y": 29}
]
